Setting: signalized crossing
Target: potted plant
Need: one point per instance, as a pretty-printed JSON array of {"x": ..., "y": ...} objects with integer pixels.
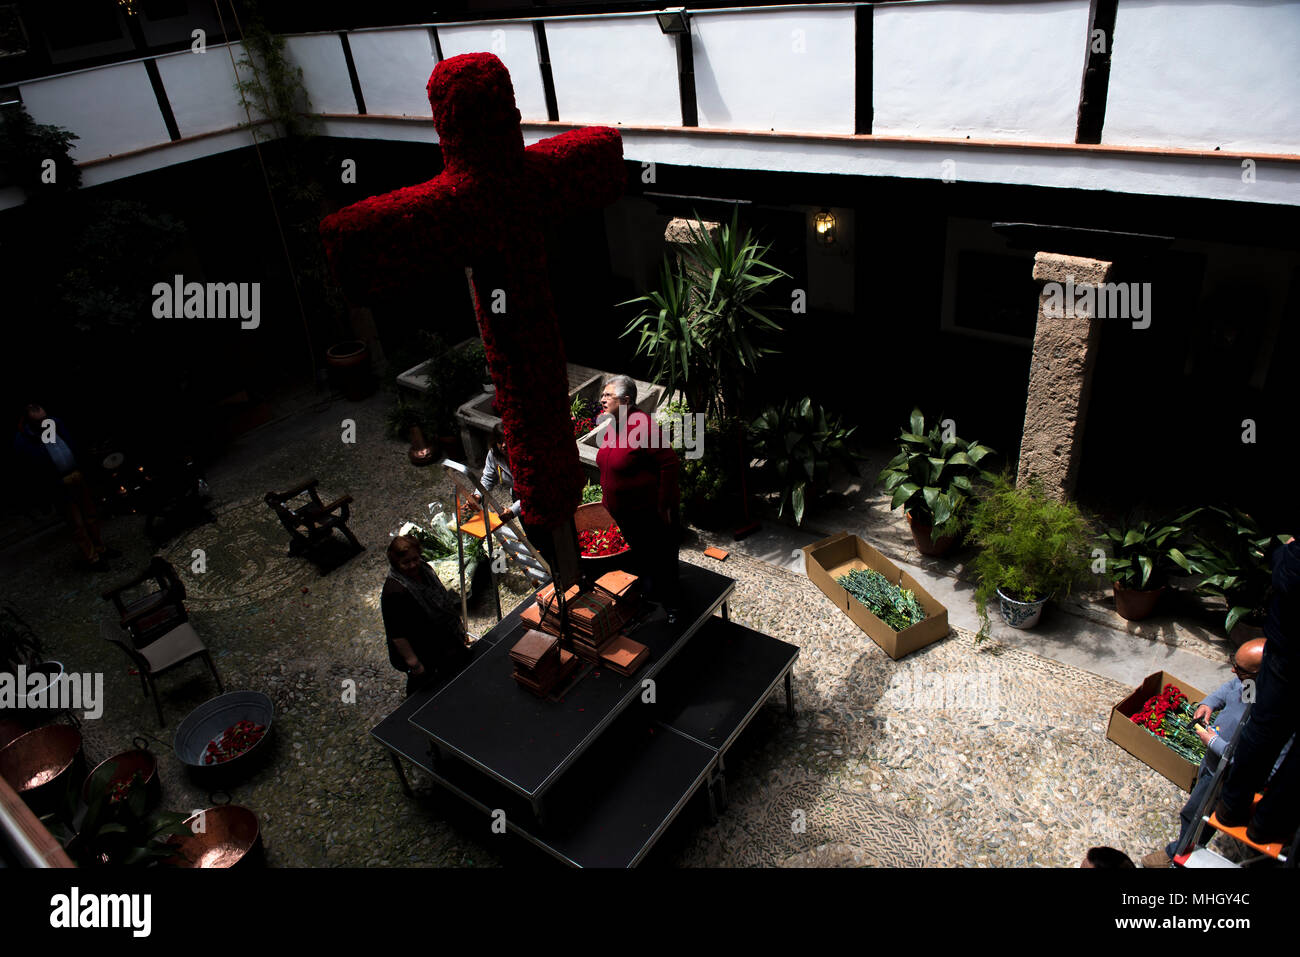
[
  {"x": 799, "y": 443},
  {"x": 406, "y": 421},
  {"x": 706, "y": 328},
  {"x": 932, "y": 479},
  {"x": 1031, "y": 549},
  {"x": 1230, "y": 557},
  {"x": 1142, "y": 554}
]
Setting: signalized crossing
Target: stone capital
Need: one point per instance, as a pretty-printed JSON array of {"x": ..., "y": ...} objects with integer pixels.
[
  {"x": 1054, "y": 267},
  {"x": 678, "y": 232}
]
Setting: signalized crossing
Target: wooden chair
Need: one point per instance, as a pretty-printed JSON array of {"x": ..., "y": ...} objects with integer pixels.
[
  {"x": 162, "y": 655},
  {"x": 312, "y": 523},
  {"x": 150, "y": 616}
]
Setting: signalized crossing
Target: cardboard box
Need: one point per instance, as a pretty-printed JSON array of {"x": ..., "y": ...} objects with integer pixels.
[
  {"x": 837, "y": 555},
  {"x": 1140, "y": 742}
]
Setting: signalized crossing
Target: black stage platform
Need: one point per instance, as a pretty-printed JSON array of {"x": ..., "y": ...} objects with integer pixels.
[{"x": 595, "y": 774}]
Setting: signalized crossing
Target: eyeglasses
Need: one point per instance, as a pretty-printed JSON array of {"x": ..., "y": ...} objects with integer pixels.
[{"x": 1241, "y": 672}]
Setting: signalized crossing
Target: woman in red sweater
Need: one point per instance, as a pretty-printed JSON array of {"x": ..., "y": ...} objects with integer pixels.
[{"x": 638, "y": 480}]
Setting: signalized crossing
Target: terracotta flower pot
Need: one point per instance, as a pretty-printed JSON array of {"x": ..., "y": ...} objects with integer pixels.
[
  {"x": 1020, "y": 614},
  {"x": 1134, "y": 604},
  {"x": 420, "y": 452},
  {"x": 924, "y": 543},
  {"x": 351, "y": 362}
]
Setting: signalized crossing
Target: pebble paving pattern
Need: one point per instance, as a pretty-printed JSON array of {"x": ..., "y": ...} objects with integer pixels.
[{"x": 959, "y": 755}]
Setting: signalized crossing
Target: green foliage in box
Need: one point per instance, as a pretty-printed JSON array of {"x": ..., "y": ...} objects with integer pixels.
[{"x": 896, "y": 607}]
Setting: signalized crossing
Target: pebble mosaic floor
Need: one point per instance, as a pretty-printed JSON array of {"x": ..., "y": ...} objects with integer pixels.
[{"x": 959, "y": 755}]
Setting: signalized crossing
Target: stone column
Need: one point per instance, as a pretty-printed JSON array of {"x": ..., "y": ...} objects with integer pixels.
[
  {"x": 1060, "y": 375},
  {"x": 679, "y": 236}
]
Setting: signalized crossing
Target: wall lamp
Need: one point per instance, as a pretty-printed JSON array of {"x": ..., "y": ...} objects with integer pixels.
[
  {"x": 824, "y": 226},
  {"x": 673, "y": 21}
]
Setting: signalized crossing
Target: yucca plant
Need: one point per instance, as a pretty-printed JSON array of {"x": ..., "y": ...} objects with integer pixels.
[
  {"x": 1142, "y": 553},
  {"x": 1230, "y": 557},
  {"x": 702, "y": 328},
  {"x": 800, "y": 443},
  {"x": 933, "y": 477}
]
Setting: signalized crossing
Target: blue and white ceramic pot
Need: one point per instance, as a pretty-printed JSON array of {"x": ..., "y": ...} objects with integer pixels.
[{"x": 1020, "y": 614}]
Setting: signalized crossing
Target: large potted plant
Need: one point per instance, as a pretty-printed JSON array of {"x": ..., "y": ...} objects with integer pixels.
[
  {"x": 932, "y": 479},
  {"x": 799, "y": 443},
  {"x": 1229, "y": 556},
  {"x": 706, "y": 327},
  {"x": 1031, "y": 549},
  {"x": 1142, "y": 553}
]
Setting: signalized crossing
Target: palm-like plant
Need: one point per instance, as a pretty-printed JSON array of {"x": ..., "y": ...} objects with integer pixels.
[
  {"x": 702, "y": 327},
  {"x": 800, "y": 443},
  {"x": 933, "y": 477}
]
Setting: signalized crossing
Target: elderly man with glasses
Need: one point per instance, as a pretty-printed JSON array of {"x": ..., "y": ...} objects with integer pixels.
[{"x": 1231, "y": 697}]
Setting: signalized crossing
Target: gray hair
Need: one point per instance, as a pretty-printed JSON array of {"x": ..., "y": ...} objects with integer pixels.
[{"x": 623, "y": 386}]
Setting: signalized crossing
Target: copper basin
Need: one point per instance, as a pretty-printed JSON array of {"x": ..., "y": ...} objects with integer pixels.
[
  {"x": 230, "y": 832},
  {"x": 39, "y": 757},
  {"x": 121, "y": 767}
]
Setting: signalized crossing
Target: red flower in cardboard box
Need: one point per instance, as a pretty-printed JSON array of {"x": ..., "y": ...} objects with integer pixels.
[{"x": 487, "y": 210}]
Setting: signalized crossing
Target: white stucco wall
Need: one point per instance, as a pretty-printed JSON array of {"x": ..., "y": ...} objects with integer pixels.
[
  {"x": 112, "y": 109},
  {"x": 393, "y": 67},
  {"x": 614, "y": 71},
  {"x": 1005, "y": 71},
  {"x": 775, "y": 69},
  {"x": 514, "y": 45},
  {"x": 1206, "y": 74},
  {"x": 201, "y": 89},
  {"x": 324, "y": 71}
]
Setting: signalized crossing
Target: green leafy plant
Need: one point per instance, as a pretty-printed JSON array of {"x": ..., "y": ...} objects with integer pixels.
[
  {"x": 800, "y": 443},
  {"x": 454, "y": 378},
  {"x": 25, "y": 145},
  {"x": 1142, "y": 553},
  {"x": 934, "y": 477},
  {"x": 1030, "y": 546},
  {"x": 702, "y": 328},
  {"x": 118, "y": 833},
  {"x": 896, "y": 607},
  {"x": 1230, "y": 557},
  {"x": 591, "y": 492}
]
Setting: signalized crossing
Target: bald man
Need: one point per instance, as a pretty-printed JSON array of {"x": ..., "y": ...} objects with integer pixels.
[{"x": 1228, "y": 697}]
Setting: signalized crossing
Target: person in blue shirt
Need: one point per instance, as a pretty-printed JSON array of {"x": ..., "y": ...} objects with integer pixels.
[
  {"x": 1229, "y": 699},
  {"x": 48, "y": 452}
]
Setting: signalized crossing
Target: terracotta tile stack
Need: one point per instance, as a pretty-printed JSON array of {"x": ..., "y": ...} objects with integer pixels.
[
  {"x": 594, "y": 617},
  {"x": 540, "y": 662}
]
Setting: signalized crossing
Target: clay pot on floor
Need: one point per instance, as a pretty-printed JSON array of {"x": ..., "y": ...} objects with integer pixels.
[
  {"x": 420, "y": 452},
  {"x": 351, "y": 363},
  {"x": 1020, "y": 614},
  {"x": 924, "y": 543},
  {"x": 1134, "y": 604}
]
